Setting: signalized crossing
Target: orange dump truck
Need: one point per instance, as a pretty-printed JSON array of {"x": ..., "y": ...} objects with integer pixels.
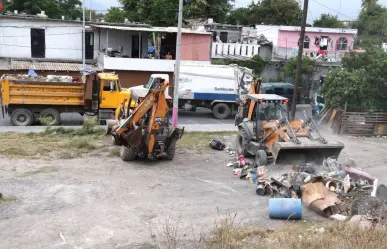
[{"x": 28, "y": 100}]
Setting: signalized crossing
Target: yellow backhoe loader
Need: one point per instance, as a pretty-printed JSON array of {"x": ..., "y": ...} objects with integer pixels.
[
  {"x": 145, "y": 132},
  {"x": 267, "y": 133}
]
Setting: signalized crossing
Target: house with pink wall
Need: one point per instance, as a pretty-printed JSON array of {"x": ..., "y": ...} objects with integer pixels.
[{"x": 329, "y": 43}]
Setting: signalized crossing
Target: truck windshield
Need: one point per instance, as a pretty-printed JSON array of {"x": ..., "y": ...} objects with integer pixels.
[
  {"x": 272, "y": 111},
  {"x": 149, "y": 84}
]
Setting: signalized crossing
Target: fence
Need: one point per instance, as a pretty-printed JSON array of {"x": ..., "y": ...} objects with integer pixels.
[
  {"x": 363, "y": 123},
  {"x": 234, "y": 50}
]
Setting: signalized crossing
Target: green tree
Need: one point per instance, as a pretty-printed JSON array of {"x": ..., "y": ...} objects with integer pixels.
[
  {"x": 276, "y": 12},
  {"x": 307, "y": 68},
  {"x": 116, "y": 15},
  {"x": 239, "y": 16},
  {"x": 33, "y": 7},
  {"x": 165, "y": 12},
  {"x": 372, "y": 24},
  {"x": 328, "y": 21},
  {"x": 361, "y": 82},
  {"x": 256, "y": 63},
  {"x": 70, "y": 9}
]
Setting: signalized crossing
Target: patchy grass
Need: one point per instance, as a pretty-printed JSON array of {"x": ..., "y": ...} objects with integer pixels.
[
  {"x": 71, "y": 143},
  {"x": 296, "y": 235},
  {"x": 39, "y": 171},
  {"x": 115, "y": 151},
  {"x": 7, "y": 199},
  {"x": 60, "y": 142},
  {"x": 200, "y": 140}
]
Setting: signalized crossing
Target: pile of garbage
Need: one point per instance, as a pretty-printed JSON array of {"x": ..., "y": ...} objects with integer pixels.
[
  {"x": 333, "y": 189},
  {"x": 48, "y": 78}
]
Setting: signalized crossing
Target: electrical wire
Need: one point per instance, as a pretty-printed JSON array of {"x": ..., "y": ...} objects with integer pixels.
[{"x": 338, "y": 12}]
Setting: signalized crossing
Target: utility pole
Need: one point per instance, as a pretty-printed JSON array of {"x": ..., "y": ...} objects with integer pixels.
[
  {"x": 175, "y": 109},
  {"x": 83, "y": 39},
  {"x": 299, "y": 61}
]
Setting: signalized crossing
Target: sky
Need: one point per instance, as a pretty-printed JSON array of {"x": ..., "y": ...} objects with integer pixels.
[{"x": 347, "y": 10}]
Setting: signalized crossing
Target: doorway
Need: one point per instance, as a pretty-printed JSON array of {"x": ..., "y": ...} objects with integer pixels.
[
  {"x": 89, "y": 46},
  {"x": 38, "y": 43},
  {"x": 135, "y": 46}
]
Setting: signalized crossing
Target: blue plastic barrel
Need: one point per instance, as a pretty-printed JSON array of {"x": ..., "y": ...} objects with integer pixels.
[{"x": 285, "y": 208}]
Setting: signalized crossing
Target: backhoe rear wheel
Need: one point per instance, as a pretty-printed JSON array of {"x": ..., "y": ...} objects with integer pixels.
[
  {"x": 261, "y": 158},
  {"x": 128, "y": 154},
  {"x": 242, "y": 143}
]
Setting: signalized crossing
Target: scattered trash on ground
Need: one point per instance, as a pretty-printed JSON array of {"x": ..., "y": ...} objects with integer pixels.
[{"x": 333, "y": 190}]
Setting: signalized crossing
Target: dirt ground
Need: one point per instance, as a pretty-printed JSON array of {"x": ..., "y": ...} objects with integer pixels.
[{"x": 102, "y": 202}]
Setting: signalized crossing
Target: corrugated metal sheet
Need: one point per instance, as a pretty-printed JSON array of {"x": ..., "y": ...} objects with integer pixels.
[
  {"x": 153, "y": 29},
  {"x": 48, "y": 66}
]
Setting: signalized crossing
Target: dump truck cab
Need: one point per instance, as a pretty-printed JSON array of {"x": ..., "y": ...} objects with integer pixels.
[
  {"x": 107, "y": 95},
  {"x": 267, "y": 133}
]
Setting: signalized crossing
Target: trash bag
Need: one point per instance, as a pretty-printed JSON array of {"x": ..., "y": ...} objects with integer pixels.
[{"x": 217, "y": 145}]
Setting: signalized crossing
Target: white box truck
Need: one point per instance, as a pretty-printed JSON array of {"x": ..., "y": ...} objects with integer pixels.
[{"x": 217, "y": 87}]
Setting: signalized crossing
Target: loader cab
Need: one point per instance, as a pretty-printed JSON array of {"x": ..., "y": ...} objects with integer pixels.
[{"x": 268, "y": 107}]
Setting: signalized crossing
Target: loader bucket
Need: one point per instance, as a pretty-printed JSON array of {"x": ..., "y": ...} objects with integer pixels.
[{"x": 307, "y": 151}]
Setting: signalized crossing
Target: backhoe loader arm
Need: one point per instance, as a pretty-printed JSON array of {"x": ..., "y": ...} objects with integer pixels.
[{"x": 150, "y": 100}]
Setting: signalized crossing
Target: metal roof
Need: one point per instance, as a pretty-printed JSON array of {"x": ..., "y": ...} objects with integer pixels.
[
  {"x": 257, "y": 97},
  {"x": 49, "y": 66},
  {"x": 152, "y": 29}
]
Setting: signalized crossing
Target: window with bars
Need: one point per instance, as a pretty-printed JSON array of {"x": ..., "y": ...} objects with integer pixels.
[
  {"x": 306, "y": 42},
  {"x": 342, "y": 43}
]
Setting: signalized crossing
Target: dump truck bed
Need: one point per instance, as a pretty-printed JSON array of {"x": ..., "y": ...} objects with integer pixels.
[{"x": 16, "y": 92}]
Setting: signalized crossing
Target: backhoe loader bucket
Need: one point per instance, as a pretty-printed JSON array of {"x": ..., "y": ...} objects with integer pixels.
[{"x": 308, "y": 151}]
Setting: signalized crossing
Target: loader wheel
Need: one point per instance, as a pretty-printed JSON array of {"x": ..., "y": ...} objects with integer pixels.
[
  {"x": 170, "y": 151},
  {"x": 261, "y": 158},
  {"x": 50, "y": 116},
  {"x": 221, "y": 111},
  {"x": 242, "y": 143},
  {"x": 22, "y": 117},
  {"x": 128, "y": 154}
]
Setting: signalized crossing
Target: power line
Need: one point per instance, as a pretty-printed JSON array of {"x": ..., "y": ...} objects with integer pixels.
[{"x": 338, "y": 12}]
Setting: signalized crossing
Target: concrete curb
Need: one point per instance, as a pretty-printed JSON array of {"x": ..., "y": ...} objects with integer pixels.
[{"x": 188, "y": 128}]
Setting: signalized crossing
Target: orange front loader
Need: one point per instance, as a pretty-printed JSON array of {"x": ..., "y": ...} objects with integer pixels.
[
  {"x": 147, "y": 132},
  {"x": 266, "y": 133}
]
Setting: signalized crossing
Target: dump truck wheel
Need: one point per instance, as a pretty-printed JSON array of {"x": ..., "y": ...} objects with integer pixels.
[
  {"x": 242, "y": 143},
  {"x": 261, "y": 158},
  {"x": 22, "y": 117},
  {"x": 171, "y": 150},
  {"x": 51, "y": 116},
  {"x": 128, "y": 154},
  {"x": 221, "y": 110}
]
